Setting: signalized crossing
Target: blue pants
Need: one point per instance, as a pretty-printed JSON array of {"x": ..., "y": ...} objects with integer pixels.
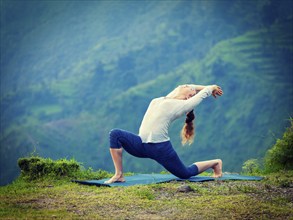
[{"x": 162, "y": 152}]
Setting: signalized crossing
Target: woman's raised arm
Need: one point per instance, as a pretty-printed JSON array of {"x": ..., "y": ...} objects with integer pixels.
[
  {"x": 196, "y": 87},
  {"x": 191, "y": 103}
]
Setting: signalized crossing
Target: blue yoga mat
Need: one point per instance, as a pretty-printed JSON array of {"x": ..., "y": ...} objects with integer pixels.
[{"x": 143, "y": 179}]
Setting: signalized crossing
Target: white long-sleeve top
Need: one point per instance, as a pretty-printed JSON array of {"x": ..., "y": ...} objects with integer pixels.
[{"x": 163, "y": 111}]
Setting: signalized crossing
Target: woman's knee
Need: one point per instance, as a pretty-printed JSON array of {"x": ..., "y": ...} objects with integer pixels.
[
  {"x": 184, "y": 175},
  {"x": 114, "y": 135},
  {"x": 185, "y": 172},
  {"x": 181, "y": 172},
  {"x": 114, "y": 132},
  {"x": 188, "y": 172}
]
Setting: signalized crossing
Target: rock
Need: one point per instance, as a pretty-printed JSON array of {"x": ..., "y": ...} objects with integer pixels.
[{"x": 184, "y": 188}]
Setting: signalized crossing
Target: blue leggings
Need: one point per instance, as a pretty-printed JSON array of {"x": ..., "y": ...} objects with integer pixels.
[{"x": 162, "y": 152}]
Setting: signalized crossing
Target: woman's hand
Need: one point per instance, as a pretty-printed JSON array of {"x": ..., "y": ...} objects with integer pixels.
[{"x": 217, "y": 91}]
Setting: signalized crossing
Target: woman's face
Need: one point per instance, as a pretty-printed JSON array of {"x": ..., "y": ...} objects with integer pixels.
[{"x": 187, "y": 91}]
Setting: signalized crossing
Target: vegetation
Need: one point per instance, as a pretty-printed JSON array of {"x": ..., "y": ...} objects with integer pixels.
[
  {"x": 280, "y": 156},
  {"x": 50, "y": 196},
  {"x": 71, "y": 69},
  {"x": 44, "y": 190},
  {"x": 35, "y": 167},
  {"x": 251, "y": 166}
]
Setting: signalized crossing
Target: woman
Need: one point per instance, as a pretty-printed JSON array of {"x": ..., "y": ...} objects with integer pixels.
[{"x": 153, "y": 140}]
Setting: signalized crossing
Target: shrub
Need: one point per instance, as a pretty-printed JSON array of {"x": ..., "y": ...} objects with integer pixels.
[
  {"x": 35, "y": 167},
  {"x": 280, "y": 156},
  {"x": 251, "y": 166}
]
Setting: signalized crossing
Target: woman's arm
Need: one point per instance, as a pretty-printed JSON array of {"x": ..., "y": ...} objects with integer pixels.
[
  {"x": 197, "y": 87},
  {"x": 197, "y": 98},
  {"x": 191, "y": 103}
]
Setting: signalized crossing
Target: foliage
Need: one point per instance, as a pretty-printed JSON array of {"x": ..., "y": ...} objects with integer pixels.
[
  {"x": 33, "y": 168},
  {"x": 36, "y": 167},
  {"x": 282, "y": 178},
  {"x": 277, "y": 158},
  {"x": 251, "y": 166},
  {"x": 280, "y": 156}
]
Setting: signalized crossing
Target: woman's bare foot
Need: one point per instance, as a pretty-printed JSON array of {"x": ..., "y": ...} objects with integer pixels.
[
  {"x": 116, "y": 179},
  {"x": 218, "y": 169}
]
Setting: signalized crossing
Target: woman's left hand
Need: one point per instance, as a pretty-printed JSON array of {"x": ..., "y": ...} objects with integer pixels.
[{"x": 217, "y": 91}]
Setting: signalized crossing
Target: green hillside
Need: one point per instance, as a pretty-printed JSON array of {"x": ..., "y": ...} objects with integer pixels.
[
  {"x": 225, "y": 127},
  {"x": 244, "y": 122}
]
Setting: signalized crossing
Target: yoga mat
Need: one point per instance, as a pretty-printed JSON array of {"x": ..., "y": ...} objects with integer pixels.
[{"x": 143, "y": 179}]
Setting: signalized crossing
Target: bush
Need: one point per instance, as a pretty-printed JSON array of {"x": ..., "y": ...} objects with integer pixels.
[
  {"x": 251, "y": 166},
  {"x": 35, "y": 167},
  {"x": 280, "y": 156}
]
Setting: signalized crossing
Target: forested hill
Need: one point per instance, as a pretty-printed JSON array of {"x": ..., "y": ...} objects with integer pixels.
[
  {"x": 241, "y": 124},
  {"x": 72, "y": 70}
]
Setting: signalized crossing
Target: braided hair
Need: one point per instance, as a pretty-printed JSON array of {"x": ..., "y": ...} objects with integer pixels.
[{"x": 187, "y": 132}]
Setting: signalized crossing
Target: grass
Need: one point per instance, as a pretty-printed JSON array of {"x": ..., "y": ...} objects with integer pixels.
[{"x": 47, "y": 198}]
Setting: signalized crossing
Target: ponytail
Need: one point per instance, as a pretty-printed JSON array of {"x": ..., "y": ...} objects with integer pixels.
[{"x": 187, "y": 132}]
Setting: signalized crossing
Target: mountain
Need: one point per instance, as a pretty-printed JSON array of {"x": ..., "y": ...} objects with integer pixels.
[
  {"x": 72, "y": 71},
  {"x": 253, "y": 70}
]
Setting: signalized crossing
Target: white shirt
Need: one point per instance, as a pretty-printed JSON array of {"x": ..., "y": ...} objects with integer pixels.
[{"x": 162, "y": 111}]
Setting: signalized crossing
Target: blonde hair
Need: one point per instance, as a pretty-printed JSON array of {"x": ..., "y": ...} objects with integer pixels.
[{"x": 187, "y": 132}]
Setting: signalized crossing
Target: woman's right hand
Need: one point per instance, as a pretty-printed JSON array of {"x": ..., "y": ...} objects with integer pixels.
[{"x": 217, "y": 90}]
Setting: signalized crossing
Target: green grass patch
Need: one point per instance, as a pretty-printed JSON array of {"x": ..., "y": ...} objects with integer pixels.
[
  {"x": 209, "y": 200},
  {"x": 44, "y": 191}
]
